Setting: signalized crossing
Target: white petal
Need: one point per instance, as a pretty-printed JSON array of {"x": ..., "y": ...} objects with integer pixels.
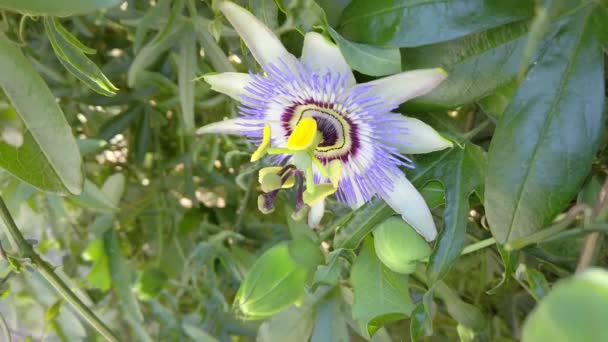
[
  {"x": 263, "y": 43},
  {"x": 404, "y": 86},
  {"x": 230, "y": 83},
  {"x": 319, "y": 55},
  {"x": 316, "y": 214},
  {"x": 231, "y": 126},
  {"x": 420, "y": 137},
  {"x": 407, "y": 201}
]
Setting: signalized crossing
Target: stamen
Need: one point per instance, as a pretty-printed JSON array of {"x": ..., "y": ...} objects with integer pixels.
[
  {"x": 303, "y": 135},
  {"x": 261, "y": 150}
]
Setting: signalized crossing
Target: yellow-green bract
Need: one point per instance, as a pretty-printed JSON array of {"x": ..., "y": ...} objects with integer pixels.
[{"x": 398, "y": 245}]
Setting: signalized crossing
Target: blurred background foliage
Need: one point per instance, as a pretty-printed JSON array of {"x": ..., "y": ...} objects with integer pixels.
[{"x": 155, "y": 229}]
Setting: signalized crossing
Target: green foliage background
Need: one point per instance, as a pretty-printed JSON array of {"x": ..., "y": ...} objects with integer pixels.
[{"x": 155, "y": 229}]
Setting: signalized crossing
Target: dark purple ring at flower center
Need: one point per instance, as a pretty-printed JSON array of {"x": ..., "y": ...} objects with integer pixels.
[{"x": 339, "y": 133}]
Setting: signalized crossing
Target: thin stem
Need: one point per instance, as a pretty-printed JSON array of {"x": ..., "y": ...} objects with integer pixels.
[
  {"x": 474, "y": 247},
  {"x": 46, "y": 270}
]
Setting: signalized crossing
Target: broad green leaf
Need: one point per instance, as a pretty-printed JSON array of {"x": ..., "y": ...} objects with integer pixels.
[
  {"x": 380, "y": 295},
  {"x": 477, "y": 65},
  {"x": 575, "y": 310},
  {"x": 403, "y": 23},
  {"x": 57, "y": 7},
  {"x": 495, "y": 104},
  {"x": 461, "y": 171},
  {"x": 187, "y": 70},
  {"x": 433, "y": 194},
  {"x": 368, "y": 59},
  {"x": 73, "y": 57},
  {"x": 362, "y": 222},
  {"x": 330, "y": 324},
  {"x": 333, "y": 10},
  {"x": 292, "y": 324},
  {"x": 48, "y": 158},
  {"x": 545, "y": 142}
]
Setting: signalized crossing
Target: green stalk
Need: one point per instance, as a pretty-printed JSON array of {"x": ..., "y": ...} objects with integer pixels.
[{"x": 46, "y": 270}]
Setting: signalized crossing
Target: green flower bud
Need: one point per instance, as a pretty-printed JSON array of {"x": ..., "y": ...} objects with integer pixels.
[
  {"x": 274, "y": 282},
  {"x": 398, "y": 245}
]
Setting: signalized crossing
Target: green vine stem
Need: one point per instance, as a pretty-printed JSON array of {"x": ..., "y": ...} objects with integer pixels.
[{"x": 46, "y": 270}]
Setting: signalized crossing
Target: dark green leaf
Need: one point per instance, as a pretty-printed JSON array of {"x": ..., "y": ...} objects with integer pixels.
[
  {"x": 545, "y": 141},
  {"x": 57, "y": 7},
  {"x": 380, "y": 295},
  {"x": 48, "y": 158},
  {"x": 495, "y": 104},
  {"x": 403, "y": 23},
  {"x": 363, "y": 221},
  {"x": 461, "y": 170},
  {"x": 471, "y": 63},
  {"x": 367, "y": 59},
  {"x": 330, "y": 325}
]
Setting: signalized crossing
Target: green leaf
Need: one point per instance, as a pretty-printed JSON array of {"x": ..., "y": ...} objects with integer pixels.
[
  {"x": 433, "y": 194},
  {"x": 122, "y": 282},
  {"x": 267, "y": 11},
  {"x": 163, "y": 40},
  {"x": 273, "y": 283},
  {"x": 305, "y": 14},
  {"x": 362, "y": 222},
  {"x": 495, "y": 104},
  {"x": 367, "y": 59},
  {"x": 93, "y": 198},
  {"x": 57, "y": 7},
  {"x": 545, "y": 142},
  {"x": 72, "y": 57},
  {"x": 534, "y": 281},
  {"x": 99, "y": 274},
  {"x": 471, "y": 63},
  {"x": 575, "y": 310},
  {"x": 187, "y": 70},
  {"x": 461, "y": 171},
  {"x": 331, "y": 273},
  {"x": 380, "y": 295},
  {"x": 403, "y": 23},
  {"x": 293, "y": 324},
  {"x": 48, "y": 158},
  {"x": 330, "y": 325},
  {"x": 150, "y": 283}
]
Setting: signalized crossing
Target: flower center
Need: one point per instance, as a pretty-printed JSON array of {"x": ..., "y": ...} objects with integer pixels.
[{"x": 336, "y": 130}]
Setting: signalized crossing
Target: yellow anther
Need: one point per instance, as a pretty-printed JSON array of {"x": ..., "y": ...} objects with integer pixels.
[
  {"x": 303, "y": 135},
  {"x": 275, "y": 170},
  {"x": 261, "y": 150}
]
